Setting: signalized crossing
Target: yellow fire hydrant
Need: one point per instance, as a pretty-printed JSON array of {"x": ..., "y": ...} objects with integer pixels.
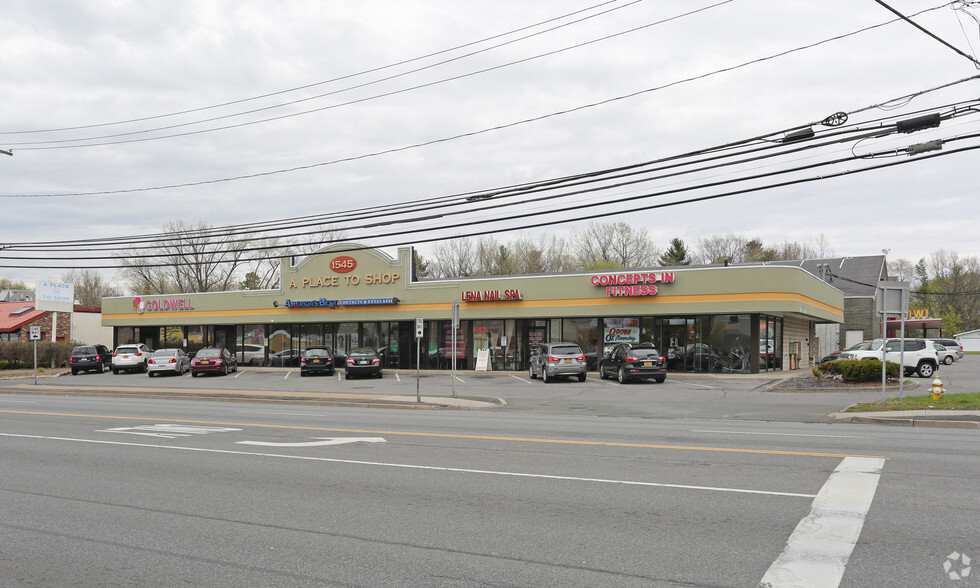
[{"x": 937, "y": 389}]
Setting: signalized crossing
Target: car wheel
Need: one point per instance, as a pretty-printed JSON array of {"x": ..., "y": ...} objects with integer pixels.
[
  {"x": 74, "y": 372},
  {"x": 101, "y": 368},
  {"x": 302, "y": 374},
  {"x": 948, "y": 360},
  {"x": 346, "y": 376},
  {"x": 115, "y": 372},
  {"x": 926, "y": 369},
  {"x": 602, "y": 373},
  {"x": 149, "y": 374},
  {"x": 544, "y": 376},
  {"x": 581, "y": 377},
  {"x": 623, "y": 378},
  {"x": 195, "y": 374},
  {"x": 224, "y": 370},
  {"x": 379, "y": 375},
  {"x": 530, "y": 373},
  {"x": 330, "y": 373},
  {"x": 660, "y": 380}
]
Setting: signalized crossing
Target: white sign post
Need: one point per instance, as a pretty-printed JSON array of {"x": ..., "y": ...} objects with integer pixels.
[
  {"x": 418, "y": 355},
  {"x": 35, "y": 337},
  {"x": 455, "y": 329}
]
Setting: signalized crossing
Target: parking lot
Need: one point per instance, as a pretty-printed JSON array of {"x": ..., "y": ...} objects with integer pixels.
[{"x": 681, "y": 396}]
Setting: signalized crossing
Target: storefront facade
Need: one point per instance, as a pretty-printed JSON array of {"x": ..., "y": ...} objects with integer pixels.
[{"x": 715, "y": 319}]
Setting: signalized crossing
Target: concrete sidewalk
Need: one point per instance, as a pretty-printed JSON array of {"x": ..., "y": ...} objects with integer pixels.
[{"x": 958, "y": 419}]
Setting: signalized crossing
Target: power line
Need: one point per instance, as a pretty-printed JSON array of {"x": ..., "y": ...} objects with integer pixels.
[
  {"x": 437, "y": 207},
  {"x": 336, "y": 79},
  {"x": 482, "y": 131},
  {"x": 926, "y": 31},
  {"x": 563, "y": 218},
  {"x": 57, "y": 144}
]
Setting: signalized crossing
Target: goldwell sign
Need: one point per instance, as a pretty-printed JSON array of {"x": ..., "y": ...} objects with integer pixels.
[{"x": 642, "y": 284}]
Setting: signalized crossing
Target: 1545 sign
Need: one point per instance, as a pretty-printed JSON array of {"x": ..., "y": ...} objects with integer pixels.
[{"x": 343, "y": 264}]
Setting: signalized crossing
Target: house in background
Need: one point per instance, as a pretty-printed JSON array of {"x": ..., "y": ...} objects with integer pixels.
[
  {"x": 83, "y": 324},
  {"x": 970, "y": 340}
]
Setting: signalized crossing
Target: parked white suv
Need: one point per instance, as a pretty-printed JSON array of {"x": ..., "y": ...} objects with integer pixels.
[
  {"x": 130, "y": 357},
  {"x": 920, "y": 355}
]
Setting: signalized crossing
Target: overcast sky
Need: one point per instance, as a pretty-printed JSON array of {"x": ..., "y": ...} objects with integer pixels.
[{"x": 81, "y": 65}]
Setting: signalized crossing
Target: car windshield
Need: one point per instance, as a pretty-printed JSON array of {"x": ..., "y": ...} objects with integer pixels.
[
  {"x": 566, "y": 350},
  {"x": 127, "y": 350},
  {"x": 165, "y": 353},
  {"x": 362, "y": 351},
  {"x": 83, "y": 350},
  {"x": 209, "y": 353},
  {"x": 317, "y": 353},
  {"x": 643, "y": 352}
]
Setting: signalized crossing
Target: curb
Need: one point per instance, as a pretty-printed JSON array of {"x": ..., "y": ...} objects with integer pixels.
[{"x": 907, "y": 422}]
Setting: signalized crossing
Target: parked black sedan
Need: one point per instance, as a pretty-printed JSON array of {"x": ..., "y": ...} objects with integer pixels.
[
  {"x": 629, "y": 361},
  {"x": 362, "y": 361}
]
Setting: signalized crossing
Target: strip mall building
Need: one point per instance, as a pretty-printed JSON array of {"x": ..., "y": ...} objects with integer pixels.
[{"x": 706, "y": 319}]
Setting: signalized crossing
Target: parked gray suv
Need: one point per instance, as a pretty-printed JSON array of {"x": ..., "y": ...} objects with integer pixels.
[{"x": 554, "y": 360}]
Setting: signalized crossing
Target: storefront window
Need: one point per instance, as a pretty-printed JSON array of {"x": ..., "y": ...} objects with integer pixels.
[
  {"x": 619, "y": 330},
  {"x": 347, "y": 339},
  {"x": 730, "y": 339},
  {"x": 487, "y": 335},
  {"x": 584, "y": 332},
  {"x": 369, "y": 335}
]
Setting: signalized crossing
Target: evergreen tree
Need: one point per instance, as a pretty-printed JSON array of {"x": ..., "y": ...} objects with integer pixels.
[{"x": 676, "y": 254}]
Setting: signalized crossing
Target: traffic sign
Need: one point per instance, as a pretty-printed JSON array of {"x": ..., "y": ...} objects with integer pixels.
[
  {"x": 418, "y": 327},
  {"x": 35, "y": 333}
]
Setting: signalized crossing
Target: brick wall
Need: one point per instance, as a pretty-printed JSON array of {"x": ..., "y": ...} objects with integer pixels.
[
  {"x": 45, "y": 322},
  {"x": 801, "y": 331}
]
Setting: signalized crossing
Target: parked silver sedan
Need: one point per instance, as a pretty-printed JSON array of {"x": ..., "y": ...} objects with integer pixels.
[{"x": 168, "y": 361}]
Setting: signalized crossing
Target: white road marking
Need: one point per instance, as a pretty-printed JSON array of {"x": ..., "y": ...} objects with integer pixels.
[
  {"x": 286, "y": 377},
  {"x": 238, "y": 373},
  {"x": 693, "y": 384},
  {"x": 397, "y": 377},
  {"x": 817, "y": 552},
  {"x": 460, "y": 379},
  {"x": 325, "y": 441},
  {"x": 778, "y": 434},
  {"x": 419, "y": 467},
  {"x": 167, "y": 431},
  {"x": 519, "y": 378}
]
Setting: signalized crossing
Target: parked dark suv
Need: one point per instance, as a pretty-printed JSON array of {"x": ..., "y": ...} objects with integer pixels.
[
  {"x": 86, "y": 358},
  {"x": 316, "y": 360},
  {"x": 630, "y": 361}
]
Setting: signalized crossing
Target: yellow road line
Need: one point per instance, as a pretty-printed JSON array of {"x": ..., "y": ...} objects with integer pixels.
[{"x": 456, "y": 436}]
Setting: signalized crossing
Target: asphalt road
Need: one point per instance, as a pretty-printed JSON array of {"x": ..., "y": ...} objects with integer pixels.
[{"x": 124, "y": 491}]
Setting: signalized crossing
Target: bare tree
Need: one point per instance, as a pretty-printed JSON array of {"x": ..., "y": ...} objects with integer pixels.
[
  {"x": 90, "y": 287},
  {"x": 193, "y": 258},
  {"x": 454, "y": 258},
  {"x": 720, "y": 248},
  {"x": 617, "y": 242}
]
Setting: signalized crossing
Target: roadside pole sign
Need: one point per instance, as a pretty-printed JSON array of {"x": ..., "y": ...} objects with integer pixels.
[
  {"x": 418, "y": 356},
  {"x": 35, "y": 336}
]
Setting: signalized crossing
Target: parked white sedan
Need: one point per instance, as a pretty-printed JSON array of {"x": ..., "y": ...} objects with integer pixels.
[{"x": 168, "y": 361}]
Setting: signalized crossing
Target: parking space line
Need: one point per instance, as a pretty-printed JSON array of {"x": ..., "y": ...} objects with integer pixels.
[
  {"x": 521, "y": 379},
  {"x": 816, "y": 553}
]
